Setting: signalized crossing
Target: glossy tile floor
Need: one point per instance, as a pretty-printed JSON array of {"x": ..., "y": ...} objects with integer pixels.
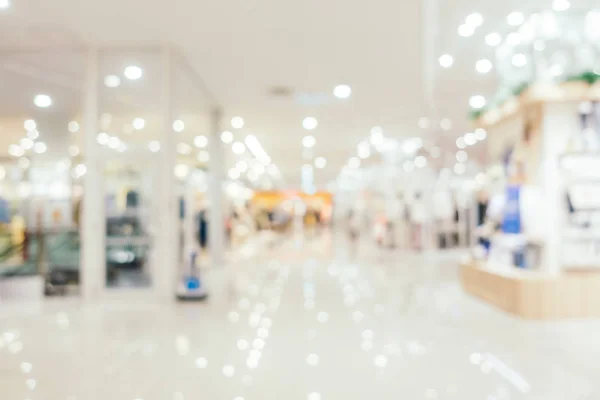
[{"x": 304, "y": 320}]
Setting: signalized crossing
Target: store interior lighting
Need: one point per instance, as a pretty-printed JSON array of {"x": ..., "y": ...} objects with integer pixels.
[
  {"x": 42, "y": 100},
  {"x": 133, "y": 72},
  {"x": 257, "y": 150},
  {"x": 309, "y": 123}
]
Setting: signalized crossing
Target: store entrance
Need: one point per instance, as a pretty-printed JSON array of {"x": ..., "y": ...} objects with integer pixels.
[{"x": 131, "y": 222}]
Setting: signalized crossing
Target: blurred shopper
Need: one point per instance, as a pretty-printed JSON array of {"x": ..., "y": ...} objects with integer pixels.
[
  {"x": 419, "y": 219},
  {"x": 393, "y": 212},
  {"x": 353, "y": 225}
]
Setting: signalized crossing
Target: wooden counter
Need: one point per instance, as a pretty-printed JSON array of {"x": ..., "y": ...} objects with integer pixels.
[{"x": 532, "y": 295}]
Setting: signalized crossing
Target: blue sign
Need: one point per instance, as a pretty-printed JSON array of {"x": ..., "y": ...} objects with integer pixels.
[{"x": 512, "y": 210}]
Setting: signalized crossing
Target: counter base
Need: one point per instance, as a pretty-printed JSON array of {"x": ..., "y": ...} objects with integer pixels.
[{"x": 533, "y": 295}]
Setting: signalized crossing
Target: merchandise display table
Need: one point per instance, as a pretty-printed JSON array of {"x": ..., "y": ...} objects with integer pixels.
[{"x": 534, "y": 295}]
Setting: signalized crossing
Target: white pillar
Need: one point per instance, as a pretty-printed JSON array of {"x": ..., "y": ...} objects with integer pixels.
[
  {"x": 165, "y": 271},
  {"x": 216, "y": 166},
  {"x": 92, "y": 267},
  {"x": 559, "y": 122}
]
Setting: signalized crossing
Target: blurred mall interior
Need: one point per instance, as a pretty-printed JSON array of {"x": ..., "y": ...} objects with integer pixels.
[{"x": 314, "y": 200}]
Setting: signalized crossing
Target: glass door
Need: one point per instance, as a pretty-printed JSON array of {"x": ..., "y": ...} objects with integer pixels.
[{"x": 131, "y": 222}]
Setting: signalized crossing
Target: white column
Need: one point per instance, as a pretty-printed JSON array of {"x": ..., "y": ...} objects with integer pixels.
[
  {"x": 216, "y": 166},
  {"x": 167, "y": 236},
  {"x": 93, "y": 255},
  {"x": 559, "y": 122}
]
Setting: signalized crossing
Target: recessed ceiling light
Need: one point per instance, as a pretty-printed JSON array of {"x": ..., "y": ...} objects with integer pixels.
[
  {"x": 181, "y": 171},
  {"x": 178, "y": 125},
  {"x": 483, "y": 66},
  {"x": 138, "y": 124},
  {"x": 237, "y": 122},
  {"x": 459, "y": 169},
  {"x": 561, "y": 5},
  {"x": 133, "y": 72},
  {"x": 446, "y": 60},
  {"x": 480, "y": 134},
  {"x": 34, "y": 134},
  {"x": 320, "y": 162},
  {"x": 26, "y": 143},
  {"x": 477, "y": 101},
  {"x": 465, "y": 30},
  {"x": 40, "y": 147},
  {"x": 73, "y": 126},
  {"x": 519, "y": 60},
  {"x": 474, "y": 20},
  {"x": 460, "y": 143},
  {"x": 515, "y": 18},
  {"x": 29, "y": 125},
  {"x": 226, "y": 137},
  {"x": 4, "y": 4},
  {"x": 42, "y": 100},
  {"x": 354, "y": 162},
  {"x": 112, "y": 81},
  {"x": 446, "y": 124},
  {"x": 80, "y": 170},
  {"x": 420, "y": 161},
  {"x": 203, "y": 156},
  {"x": 114, "y": 142},
  {"x": 310, "y": 123},
  {"x": 154, "y": 146},
  {"x": 462, "y": 156},
  {"x": 102, "y": 138},
  {"x": 470, "y": 139},
  {"x": 309, "y": 141},
  {"x": 200, "y": 141},
  {"x": 15, "y": 150},
  {"x": 342, "y": 91},
  {"x": 238, "y": 148},
  {"x": 493, "y": 39}
]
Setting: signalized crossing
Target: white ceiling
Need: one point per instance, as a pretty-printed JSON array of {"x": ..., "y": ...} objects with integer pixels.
[{"x": 244, "y": 48}]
